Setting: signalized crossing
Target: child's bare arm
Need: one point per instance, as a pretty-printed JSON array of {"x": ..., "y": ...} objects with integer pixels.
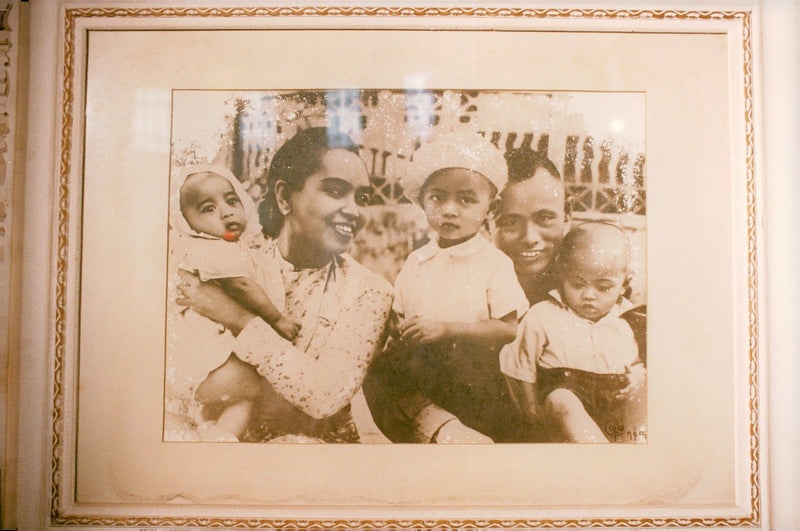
[
  {"x": 250, "y": 295},
  {"x": 491, "y": 332}
]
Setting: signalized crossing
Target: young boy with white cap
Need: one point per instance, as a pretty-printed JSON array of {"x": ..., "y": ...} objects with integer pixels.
[{"x": 457, "y": 299}]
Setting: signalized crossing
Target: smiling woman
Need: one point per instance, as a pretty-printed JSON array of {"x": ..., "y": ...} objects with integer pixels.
[
  {"x": 297, "y": 386},
  {"x": 316, "y": 215}
]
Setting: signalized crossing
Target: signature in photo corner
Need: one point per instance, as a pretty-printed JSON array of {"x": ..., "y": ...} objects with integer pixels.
[{"x": 616, "y": 432}]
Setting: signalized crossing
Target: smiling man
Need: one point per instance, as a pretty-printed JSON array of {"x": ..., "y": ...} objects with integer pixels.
[{"x": 531, "y": 220}]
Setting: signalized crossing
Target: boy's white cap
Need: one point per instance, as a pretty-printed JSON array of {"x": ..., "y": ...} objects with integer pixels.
[{"x": 455, "y": 149}]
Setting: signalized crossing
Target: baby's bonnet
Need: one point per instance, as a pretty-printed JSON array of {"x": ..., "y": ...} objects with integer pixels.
[{"x": 252, "y": 233}]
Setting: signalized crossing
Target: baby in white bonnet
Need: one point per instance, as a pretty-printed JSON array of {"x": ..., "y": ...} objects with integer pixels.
[{"x": 217, "y": 235}]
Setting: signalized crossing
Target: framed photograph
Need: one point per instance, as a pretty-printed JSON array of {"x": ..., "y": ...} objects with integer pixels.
[
  {"x": 243, "y": 132},
  {"x": 202, "y": 352}
]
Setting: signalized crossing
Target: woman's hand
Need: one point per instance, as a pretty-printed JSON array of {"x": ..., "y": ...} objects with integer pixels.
[{"x": 210, "y": 300}]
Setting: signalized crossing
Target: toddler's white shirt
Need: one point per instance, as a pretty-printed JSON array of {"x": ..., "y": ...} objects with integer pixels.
[
  {"x": 469, "y": 282},
  {"x": 554, "y": 336}
]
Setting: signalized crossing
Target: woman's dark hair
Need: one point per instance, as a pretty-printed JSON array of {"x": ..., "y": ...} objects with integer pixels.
[
  {"x": 298, "y": 158},
  {"x": 523, "y": 163}
]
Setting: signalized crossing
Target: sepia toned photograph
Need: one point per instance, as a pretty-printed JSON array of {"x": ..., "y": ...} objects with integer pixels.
[
  {"x": 407, "y": 266},
  {"x": 290, "y": 227}
]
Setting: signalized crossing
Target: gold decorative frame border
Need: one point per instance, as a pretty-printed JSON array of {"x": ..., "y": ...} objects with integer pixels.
[{"x": 71, "y": 15}]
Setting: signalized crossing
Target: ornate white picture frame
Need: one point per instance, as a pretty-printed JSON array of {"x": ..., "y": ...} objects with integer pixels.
[{"x": 703, "y": 463}]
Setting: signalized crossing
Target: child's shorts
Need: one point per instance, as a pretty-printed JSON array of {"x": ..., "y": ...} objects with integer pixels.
[{"x": 595, "y": 391}]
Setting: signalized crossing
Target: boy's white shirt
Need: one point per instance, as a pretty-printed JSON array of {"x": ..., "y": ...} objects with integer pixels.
[
  {"x": 469, "y": 282},
  {"x": 553, "y": 336},
  {"x": 424, "y": 288}
]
